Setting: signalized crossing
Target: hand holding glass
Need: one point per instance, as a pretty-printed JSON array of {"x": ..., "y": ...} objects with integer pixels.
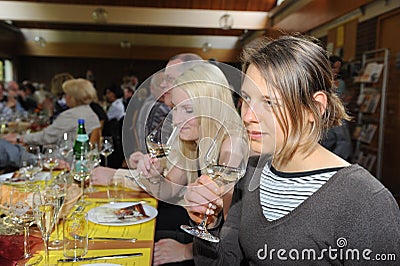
[{"x": 225, "y": 166}]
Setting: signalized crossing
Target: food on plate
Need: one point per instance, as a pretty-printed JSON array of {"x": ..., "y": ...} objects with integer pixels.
[{"x": 132, "y": 211}]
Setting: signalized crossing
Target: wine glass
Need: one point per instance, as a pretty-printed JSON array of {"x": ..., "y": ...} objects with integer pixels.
[
  {"x": 21, "y": 213},
  {"x": 66, "y": 147},
  {"x": 159, "y": 144},
  {"x": 57, "y": 191},
  {"x": 225, "y": 167},
  {"x": 31, "y": 162},
  {"x": 107, "y": 148},
  {"x": 81, "y": 172},
  {"x": 44, "y": 212},
  {"x": 93, "y": 161},
  {"x": 50, "y": 157}
]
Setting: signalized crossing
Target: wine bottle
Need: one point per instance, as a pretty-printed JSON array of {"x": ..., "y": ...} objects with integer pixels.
[{"x": 81, "y": 143}]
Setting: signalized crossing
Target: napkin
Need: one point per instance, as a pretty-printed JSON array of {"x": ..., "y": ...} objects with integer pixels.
[{"x": 12, "y": 248}]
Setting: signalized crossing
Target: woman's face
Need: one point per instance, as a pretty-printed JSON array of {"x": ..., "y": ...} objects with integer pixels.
[
  {"x": 183, "y": 115},
  {"x": 257, "y": 114}
]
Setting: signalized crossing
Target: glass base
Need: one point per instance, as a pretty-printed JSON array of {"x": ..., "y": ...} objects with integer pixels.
[
  {"x": 31, "y": 260},
  {"x": 56, "y": 244},
  {"x": 200, "y": 233}
]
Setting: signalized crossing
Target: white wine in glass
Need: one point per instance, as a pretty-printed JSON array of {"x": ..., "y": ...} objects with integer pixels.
[
  {"x": 44, "y": 211},
  {"x": 50, "y": 158},
  {"x": 225, "y": 168},
  {"x": 107, "y": 148}
]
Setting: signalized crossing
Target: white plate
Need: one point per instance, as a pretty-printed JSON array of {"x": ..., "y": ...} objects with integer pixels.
[{"x": 97, "y": 215}]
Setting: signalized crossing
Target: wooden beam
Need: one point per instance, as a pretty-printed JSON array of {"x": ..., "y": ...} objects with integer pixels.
[
  {"x": 314, "y": 14},
  {"x": 84, "y": 50}
]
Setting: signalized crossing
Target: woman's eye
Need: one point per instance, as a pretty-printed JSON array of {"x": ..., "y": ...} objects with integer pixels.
[{"x": 189, "y": 111}]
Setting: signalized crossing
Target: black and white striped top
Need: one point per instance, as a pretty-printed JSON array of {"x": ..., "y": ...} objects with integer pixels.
[{"x": 280, "y": 192}]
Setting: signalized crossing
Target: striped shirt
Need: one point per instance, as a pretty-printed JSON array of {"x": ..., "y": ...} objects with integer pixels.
[{"x": 280, "y": 192}]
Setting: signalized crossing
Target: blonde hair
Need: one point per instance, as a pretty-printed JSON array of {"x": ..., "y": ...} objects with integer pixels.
[
  {"x": 57, "y": 82},
  {"x": 81, "y": 91},
  {"x": 295, "y": 68},
  {"x": 208, "y": 88}
]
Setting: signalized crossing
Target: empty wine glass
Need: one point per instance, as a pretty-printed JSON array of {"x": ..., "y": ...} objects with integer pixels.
[
  {"x": 21, "y": 213},
  {"x": 31, "y": 162},
  {"x": 44, "y": 212},
  {"x": 107, "y": 148},
  {"x": 50, "y": 158},
  {"x": 81, "y": 172},
  {"x": 66, "y": 147},
  {"x": 225, "y": 167},
  {"x": 57, "y": 191},
  {"x": 93, "y": 161}
]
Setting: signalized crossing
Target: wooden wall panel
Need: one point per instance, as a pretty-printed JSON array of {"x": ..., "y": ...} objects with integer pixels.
[
  {"x": 388, "y": 37},
  {"x": 115, "y": 51}
]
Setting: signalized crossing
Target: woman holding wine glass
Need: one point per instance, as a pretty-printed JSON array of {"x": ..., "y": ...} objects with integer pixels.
[
  {"x": 297, "y": 196},
  {"x": 203, "y": 106}
]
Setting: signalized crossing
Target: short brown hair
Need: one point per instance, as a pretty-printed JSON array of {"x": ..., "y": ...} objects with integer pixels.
[{"x": 57, "y": 82}]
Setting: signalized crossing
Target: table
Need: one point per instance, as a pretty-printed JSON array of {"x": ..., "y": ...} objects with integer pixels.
[{"x": 143, "y": 232}]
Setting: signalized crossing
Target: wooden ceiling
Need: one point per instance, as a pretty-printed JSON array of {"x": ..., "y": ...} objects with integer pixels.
[{"x": 158, "y": 29}]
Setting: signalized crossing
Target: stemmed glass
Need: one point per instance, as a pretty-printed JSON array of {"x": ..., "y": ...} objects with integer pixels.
[
  {"x": 21, "y": 213},
  {"x": 44, "y": 212},
  {"x": 107, "y": 148},
  {"x": 66, "y": 147},
  {"x": 50, "y": 158},
  {"x": 93, "y": 158},
  {"x": 81, "y": 172},
  {"x": 57, "y": 191},
  {"x": 159, "y": 144},
  {"x": 31, "y": 162},
  {"x": 225, "y": 167}
]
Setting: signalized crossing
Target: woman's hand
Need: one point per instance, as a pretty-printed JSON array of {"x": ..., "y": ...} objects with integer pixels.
[
  {"x": 204, "y": 196},
  {"x": 169, "y": 250},
  {"x": 149, "y": 167},
  {"x": 134, "y": 159},
  {"x": 101, "y": 175}
]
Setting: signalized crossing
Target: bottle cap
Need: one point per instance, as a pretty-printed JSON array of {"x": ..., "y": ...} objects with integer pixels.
[{"x": 81, "y": 121}]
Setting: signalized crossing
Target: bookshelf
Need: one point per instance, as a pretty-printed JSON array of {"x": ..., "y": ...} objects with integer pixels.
[{"x": 371, "y": 105}]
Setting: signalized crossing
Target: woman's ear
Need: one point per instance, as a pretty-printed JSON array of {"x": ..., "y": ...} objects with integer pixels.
[{"x": 321, "y": 98}]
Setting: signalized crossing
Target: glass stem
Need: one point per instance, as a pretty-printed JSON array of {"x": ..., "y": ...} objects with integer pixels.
[
  {"x": 27, "y": 251},
  {"x": 46, "y": 251},
  {"x": 83, "y": 189},
  {"x": 203, "y": 225},
  {"x": 105, "y": 161}
]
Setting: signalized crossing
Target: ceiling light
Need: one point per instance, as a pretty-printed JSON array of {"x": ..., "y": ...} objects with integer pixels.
[
  {"x": 226, "y": 22},
  {"x": 125, "y": 44},
  {"x": 100, "y": 15},
  {"x": 206, "y": 47},
  {"x": 40, "y": 41}
]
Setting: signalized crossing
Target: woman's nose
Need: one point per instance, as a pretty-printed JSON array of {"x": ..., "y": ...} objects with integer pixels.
[{"x": 248, "y": 113}]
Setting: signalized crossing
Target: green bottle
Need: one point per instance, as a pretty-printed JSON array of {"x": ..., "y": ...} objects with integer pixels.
[{"x": 81, "y": 144}]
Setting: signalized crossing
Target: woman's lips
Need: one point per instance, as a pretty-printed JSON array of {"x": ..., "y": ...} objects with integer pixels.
[{"x": 254, "y": 134}]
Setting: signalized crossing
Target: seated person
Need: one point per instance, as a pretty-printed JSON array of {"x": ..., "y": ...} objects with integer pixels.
[{"x": 78, "y": 95}]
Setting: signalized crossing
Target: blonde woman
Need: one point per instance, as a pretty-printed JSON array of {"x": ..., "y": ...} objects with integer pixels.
[
  {"x": 78, "y": 95},
  {"x": 202, "y": 105}
]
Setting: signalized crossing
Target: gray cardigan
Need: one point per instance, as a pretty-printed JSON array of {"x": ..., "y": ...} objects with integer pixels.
[
  {"x": 67, "y": 121},
  {"x": 351, "y": 214}
]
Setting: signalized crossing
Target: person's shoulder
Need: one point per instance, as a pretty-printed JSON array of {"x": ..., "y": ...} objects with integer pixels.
[{"x": 358, "y": 178}]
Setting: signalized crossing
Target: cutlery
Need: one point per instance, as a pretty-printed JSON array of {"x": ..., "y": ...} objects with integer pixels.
[
  {"x": 113, "y": 238},
  {"x": 116, "y": 256}
]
